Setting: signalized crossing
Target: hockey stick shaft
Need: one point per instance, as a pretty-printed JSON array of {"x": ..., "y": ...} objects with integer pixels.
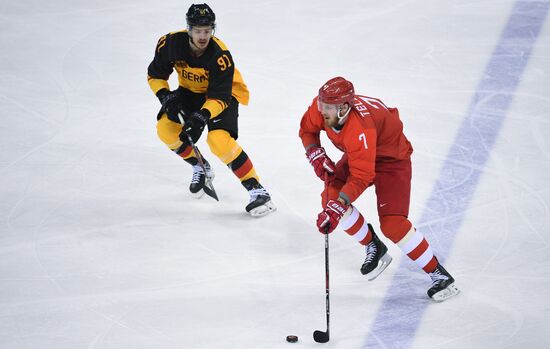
[
  {"x": 327, "y": 279},
  {"x": 320, "y": 336},
  {"x": 327, "y": 284}
]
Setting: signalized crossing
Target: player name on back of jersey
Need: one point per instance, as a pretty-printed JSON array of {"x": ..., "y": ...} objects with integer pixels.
[{"x": 360, "y": 107}]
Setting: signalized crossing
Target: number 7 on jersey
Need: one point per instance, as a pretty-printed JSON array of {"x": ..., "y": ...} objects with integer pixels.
[{"x": 363, "y": 138}]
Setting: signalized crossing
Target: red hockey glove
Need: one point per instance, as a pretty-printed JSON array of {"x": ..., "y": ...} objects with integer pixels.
[
  {"x": 331, "y": 215},
  {"x": 320, "y": 161}
]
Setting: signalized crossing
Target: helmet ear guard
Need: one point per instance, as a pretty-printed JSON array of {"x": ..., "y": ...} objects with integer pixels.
[{"x": 200, "y": 15}]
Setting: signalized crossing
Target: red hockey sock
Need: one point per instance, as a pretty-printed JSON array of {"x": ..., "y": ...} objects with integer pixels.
[
  {"x": 356, "y": 226},
  {"x": 415, "y": 245},
  {"x": 401, "y": 231}
]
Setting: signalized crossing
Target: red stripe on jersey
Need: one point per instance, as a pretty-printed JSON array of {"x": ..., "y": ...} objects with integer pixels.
[
  {"x": 244, "y": 169},
  {"x": 418, "y": 250}
]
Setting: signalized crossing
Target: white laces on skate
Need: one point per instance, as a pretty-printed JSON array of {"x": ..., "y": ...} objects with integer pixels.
[
  {"x": 437, "y": 277},
  {"x": 254, "y": 193},
  {"x": 197, "y": 173},
  {"x": 370, "y": 250}
]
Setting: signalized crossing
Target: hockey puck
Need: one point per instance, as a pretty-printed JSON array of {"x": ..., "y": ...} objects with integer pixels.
[{"x": 292, "y": 339}]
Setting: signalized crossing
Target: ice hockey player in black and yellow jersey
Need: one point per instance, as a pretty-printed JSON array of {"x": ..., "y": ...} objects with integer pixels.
[{"x": 209, "y": 92}]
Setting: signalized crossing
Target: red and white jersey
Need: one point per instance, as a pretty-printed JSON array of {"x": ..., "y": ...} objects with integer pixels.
[{"x": 372, "y": 133}]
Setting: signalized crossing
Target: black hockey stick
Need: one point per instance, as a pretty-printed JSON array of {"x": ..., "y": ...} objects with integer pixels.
[
  {"x": 320, "y": 336},
  {"x": 208, "y": 186}
]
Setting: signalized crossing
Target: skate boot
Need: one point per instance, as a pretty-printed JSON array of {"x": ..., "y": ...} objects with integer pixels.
[
  {"x": 260, "y": 201},
  {"x": 198, "y": 179},
  {"x": 377, "y": 258},
  {"x": 443, "y": 286}
]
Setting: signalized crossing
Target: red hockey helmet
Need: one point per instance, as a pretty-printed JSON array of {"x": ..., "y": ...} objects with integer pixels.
[{"x": 337, "y": 91}]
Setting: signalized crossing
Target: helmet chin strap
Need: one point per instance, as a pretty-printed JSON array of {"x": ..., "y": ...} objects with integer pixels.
[{"x": 342, "y": 118}]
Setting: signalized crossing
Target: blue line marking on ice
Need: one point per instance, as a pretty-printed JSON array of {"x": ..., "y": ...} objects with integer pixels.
[{"x": 402, "y": 309}]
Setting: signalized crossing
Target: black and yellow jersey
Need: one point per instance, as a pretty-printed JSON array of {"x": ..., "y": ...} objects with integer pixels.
[{"x": 213, "y": 73}]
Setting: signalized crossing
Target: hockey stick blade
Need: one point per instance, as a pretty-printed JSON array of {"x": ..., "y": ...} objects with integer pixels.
[
  {"x": 321, "y": 336},
  {"x": 208, "y": 187},
  {"x": 209, "y": 190}
]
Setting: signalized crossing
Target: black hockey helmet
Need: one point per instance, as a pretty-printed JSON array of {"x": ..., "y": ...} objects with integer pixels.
[{"x": 200, "y": 15}]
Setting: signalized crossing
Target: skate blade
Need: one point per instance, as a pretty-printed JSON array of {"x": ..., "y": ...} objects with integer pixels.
[
  {"x": 382, "y": 265},
  {"x": 448, "y": 292},
  {"x": 208, "y": 189},
  {"x": 263, "y": 210}
]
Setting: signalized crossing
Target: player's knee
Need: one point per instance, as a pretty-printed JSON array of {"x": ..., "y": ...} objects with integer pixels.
[
  {"x": 223, "y": 145},
  {"x": 169, "y": 132},
  {"x": 395, "y": 227}
]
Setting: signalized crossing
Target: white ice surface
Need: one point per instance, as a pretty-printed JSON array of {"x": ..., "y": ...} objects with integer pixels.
[{"x": 102, "y": 247}]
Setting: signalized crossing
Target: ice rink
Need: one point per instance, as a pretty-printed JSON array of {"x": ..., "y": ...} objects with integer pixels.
[{"x": 102, "y": 247}]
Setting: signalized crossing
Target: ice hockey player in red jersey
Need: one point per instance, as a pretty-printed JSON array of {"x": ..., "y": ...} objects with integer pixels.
[
  {"x": 208, "y": 96},
  {"x": 376, "y": 152}
]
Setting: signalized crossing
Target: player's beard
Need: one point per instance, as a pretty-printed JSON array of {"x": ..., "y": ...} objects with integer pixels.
[{"x": 330, "y": 122}]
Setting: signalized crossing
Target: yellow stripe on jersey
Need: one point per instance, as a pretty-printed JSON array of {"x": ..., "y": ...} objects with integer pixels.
[
  {"x": 240, "y": 90},
  {"x": 214, "y": 106},
  {"x": 157, "y": 84},
  {"x": 220, "y": 43}
]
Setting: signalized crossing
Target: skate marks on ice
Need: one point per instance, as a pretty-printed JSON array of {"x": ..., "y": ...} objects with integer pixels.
[{"x": 461, "y": 172}]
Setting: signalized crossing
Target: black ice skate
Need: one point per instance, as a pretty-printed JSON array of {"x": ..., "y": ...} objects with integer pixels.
[
  {"x": 199, "y": 177},
  {"x": 260, "y": 201},
  {"x": 443, "y": 286},
  {"x": 377, "y": 259}
]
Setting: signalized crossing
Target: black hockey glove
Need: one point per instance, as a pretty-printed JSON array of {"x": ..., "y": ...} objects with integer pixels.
[
  {"x": 172, "y": 104},
  {"x": 194, "y": 125}
]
